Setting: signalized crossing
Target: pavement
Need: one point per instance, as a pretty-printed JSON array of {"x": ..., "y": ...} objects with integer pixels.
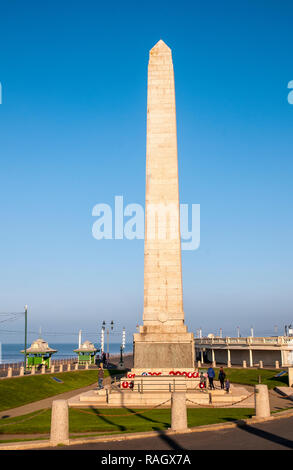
[{"x": 270, "y": 435}]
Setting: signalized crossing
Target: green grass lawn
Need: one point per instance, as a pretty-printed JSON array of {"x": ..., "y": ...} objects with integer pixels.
[
  {"x": 149, "y": 420},
  {"x": 22, "y": 390},
  {"x": 251, "y": 376}
]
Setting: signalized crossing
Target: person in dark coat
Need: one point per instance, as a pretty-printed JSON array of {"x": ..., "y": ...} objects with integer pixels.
[
  {"x": 222, "y": 377},
  {"x": 104, "y": 358},
  {"x": 211, "y": 376},
  {"x": 100, "y": 376}
]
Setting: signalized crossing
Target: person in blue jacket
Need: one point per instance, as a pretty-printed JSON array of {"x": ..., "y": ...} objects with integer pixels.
[{"x": 211, "y": 376}]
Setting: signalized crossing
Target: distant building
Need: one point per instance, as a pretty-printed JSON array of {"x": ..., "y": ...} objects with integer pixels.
[
  {"x": 39, "y": 354},
  {"x": 86, "y": 353},
  {"x": 249, "y": 349}
]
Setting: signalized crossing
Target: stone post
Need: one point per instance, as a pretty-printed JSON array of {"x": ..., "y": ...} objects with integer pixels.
[
  {"x": 290, "y": 376},
  {"x": 201, "y": 356},
  {"x": 33, "y": 370},
  {"x": 261, "y": 364},
  {"x": 68, "y": 366},
  {"x": 250, "y": 358},
  {"x": 86, "y": 365},
  {"x": 228, "y": 358},
  {"x": 76, "y": 366},
  {"x": 9, "y": 372},
  {"x": 21, "y": 371},
  {"x": 198, "y": 364},
  {"x": 52, "y": 369},
  {"x": 61, "y": 368},
  {"x": 178, "y": 412},
  {"x": 262, "y": 402},
  {"x": 43, "y": 369},
  {"x": 59, "y": 433},
  {"x": 244, "y": 365},
  {"x": 277, "y": 365}
]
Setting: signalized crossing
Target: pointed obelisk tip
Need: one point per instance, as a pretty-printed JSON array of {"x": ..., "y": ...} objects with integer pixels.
[{"x": 160, "y": 48}]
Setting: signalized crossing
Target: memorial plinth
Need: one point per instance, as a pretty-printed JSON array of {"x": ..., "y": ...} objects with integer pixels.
[{"x": 163, "y": 341}]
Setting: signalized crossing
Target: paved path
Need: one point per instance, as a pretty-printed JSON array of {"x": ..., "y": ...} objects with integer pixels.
[
  {"x": 277, "y": 401},
  {"x": 271, "y": 435},
  {"x": 41, "y": 404}
]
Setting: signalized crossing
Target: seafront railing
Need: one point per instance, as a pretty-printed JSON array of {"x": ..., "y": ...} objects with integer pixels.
[{"x": 263, "y": 340}]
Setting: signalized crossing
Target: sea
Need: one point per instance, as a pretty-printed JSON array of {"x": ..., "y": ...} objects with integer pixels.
[{"x": 10, "y": 353}]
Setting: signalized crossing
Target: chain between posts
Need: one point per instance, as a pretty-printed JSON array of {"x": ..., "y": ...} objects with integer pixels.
[
  {"x": 128, "y": 414},
  {"x": 220, "y": 406},
  {"x": 26, "y": 419}
]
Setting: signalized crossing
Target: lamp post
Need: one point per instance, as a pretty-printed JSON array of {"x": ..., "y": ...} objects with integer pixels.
[
  {"x": 25, "y": 336},
  {"x": 103, "y": 337},
  {"x": 122, "y": 347}
]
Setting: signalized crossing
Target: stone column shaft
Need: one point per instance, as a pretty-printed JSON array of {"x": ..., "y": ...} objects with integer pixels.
[
  {"x": 163, "y": 341},
  {"x": 162, "y": 256}
]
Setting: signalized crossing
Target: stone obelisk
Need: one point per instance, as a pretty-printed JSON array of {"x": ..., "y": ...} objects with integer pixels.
[{"x": 163, "y": 342}]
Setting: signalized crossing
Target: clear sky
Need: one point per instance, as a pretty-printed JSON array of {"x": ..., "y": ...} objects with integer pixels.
[{"x": 73, "y": 132}]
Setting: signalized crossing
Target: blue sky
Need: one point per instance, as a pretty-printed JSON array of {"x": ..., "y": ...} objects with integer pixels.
[{"x": 72, "y": 134}]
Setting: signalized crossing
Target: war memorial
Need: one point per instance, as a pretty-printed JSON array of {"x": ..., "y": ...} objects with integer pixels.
[{"x": 164, "y": 350}]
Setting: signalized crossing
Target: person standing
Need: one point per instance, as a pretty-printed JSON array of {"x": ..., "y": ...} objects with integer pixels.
[
  {"x": 222, "y": 377},
  {"x": 104, "y": 358},
  {"x": 100, "y": 376},
  {"x": 211, "y": 376}
]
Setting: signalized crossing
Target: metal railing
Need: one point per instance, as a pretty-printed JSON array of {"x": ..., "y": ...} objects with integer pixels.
[{"x": 276, "y": 341}]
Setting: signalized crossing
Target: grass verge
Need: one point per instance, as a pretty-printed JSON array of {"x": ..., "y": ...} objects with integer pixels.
[
  {"x": 114, "y": 420},
  {"x": 20, "y": 391},
  {"x": 251, "y": 377}
]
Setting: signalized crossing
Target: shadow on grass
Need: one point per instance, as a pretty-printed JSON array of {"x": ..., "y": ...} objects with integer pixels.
[
  {"x": 108, "y": 421},
  {"x": 170, "y": 441},
  {"x": 146, "y": 418},
  {"x": 132, "y": 413},
  {"x": 275, "y": 381}
]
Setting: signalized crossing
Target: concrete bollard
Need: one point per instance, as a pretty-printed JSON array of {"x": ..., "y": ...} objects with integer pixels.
[
  {"x": 261, "y": 364},
  {"x": 262, "y": 402},
  {"x": 59, "y": 433},
  {"x": 43, "y": 369},
  {"x": 244, "y": 364},
  {"x": 21, "y": 371},
  {"x": 9, "y": 372},
  {"x": 178, "y": 411},
  {"x": 61, "y": 368},
  {"x": 52, "y": 369},
  {"x": 33, "y": 370},
  {"x": 277, "y": 365},
  {"x": 290, "y": 376},
  {"x": 198, "y": 364},
  {"x": 76, "y": 366}
]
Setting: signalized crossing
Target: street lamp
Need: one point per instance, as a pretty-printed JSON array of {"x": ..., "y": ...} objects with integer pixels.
[
  {"x": 103, "y": 337},
  {"x": 122, "y": 347},
  {"x": 25, "y": 336}
]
